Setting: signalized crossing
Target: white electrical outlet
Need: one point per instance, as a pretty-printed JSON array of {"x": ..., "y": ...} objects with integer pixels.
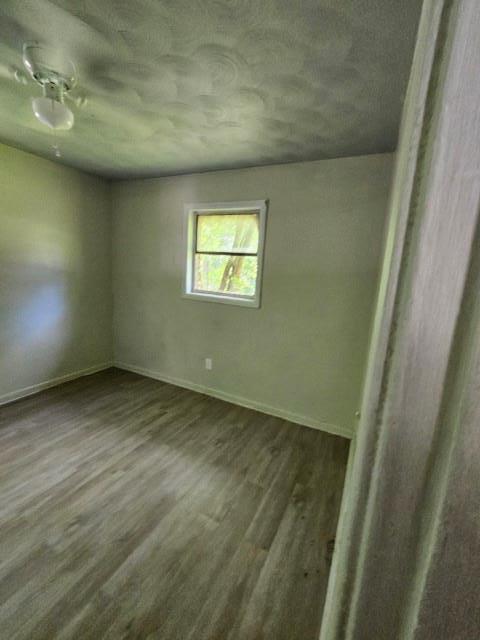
[{"x": 208, "y": 364}]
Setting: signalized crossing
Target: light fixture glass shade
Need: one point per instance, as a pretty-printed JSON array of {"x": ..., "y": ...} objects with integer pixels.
[{"x": 52, "y": 113}]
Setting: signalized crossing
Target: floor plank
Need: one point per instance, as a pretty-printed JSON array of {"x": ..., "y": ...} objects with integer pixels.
[{"x": 130, "y": 508}]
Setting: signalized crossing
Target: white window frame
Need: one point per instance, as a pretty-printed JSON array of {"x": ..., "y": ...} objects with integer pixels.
[{"x": 203, "y": 208}]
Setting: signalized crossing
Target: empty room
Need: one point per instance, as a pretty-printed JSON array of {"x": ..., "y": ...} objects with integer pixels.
[{"x": 239, "y": 321}]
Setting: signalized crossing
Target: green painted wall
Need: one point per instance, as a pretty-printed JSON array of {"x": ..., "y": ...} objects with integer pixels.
[
  {"x": 55, "y": 271},
  {"x": 303, "y": 352}
]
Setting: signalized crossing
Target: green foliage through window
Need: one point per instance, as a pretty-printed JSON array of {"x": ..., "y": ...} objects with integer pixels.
[{"x": 226, "y": 259}]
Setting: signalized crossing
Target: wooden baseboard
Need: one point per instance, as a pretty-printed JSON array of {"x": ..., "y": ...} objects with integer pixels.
[
  {"x": 234, "y": 399},
  {"x": 11, "y": 396}
]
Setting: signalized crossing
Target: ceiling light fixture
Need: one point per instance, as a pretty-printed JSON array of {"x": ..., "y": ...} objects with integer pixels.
[
  {"x": 51, "y": 110},
  {"x": 57, "y": 77}
]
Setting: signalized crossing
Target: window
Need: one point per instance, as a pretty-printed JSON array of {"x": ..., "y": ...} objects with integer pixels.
[{"x": 225, "y": 251}]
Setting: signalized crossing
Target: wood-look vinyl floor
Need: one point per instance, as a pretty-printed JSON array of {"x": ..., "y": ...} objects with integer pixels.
[{"x": 134, "y": 509}]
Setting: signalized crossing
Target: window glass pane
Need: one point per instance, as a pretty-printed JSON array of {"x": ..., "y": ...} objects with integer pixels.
[
  {"x": 229, "y": 232},
  {"x": 226, "y": 274}
]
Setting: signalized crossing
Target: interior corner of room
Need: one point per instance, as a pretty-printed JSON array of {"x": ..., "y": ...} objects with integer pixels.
[{"x": 92, "y": 274}]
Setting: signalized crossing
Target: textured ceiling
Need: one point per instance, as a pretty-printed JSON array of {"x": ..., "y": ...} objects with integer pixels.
[{"x": 189, "y": 85}]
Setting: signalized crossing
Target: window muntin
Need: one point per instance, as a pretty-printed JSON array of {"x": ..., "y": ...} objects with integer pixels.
[{"x": 225, "y": 246}]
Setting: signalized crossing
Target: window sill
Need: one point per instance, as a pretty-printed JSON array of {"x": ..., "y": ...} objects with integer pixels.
[{"x": 253, "y": 303}]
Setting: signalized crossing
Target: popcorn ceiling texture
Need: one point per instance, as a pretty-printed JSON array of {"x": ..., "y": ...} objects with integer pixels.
[{"x": 177, "y": 86}]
